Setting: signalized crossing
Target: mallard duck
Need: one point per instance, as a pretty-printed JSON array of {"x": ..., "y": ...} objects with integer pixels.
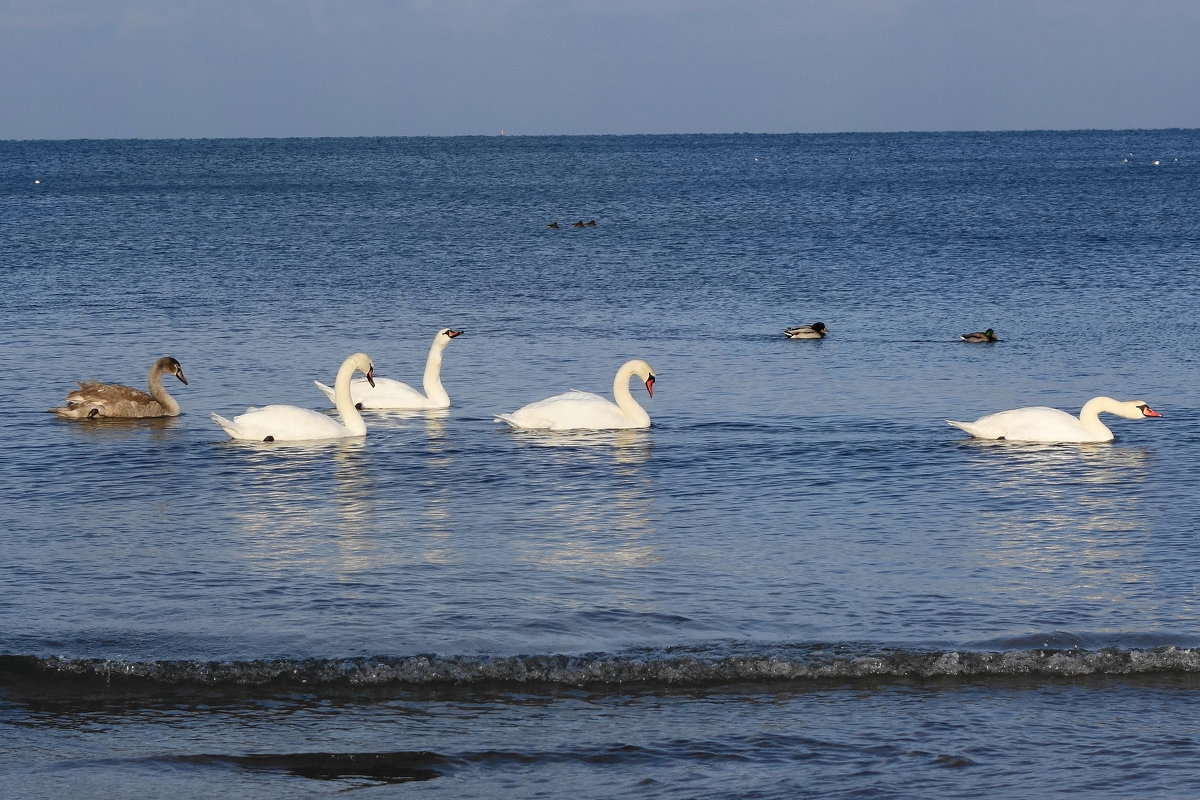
[
  {"x": 980, "y": 336},
  {"x": 814, "y": 331}
]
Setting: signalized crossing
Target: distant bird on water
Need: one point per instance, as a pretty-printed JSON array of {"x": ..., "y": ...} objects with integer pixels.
[
  {"x": 815, "y": 331},
  {"x": 980, "y": 336},
  {"x": 553, "y": 225}
]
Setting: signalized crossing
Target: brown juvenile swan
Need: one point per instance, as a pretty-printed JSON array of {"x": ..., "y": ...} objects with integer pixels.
[{"x": 94, "y": 399}]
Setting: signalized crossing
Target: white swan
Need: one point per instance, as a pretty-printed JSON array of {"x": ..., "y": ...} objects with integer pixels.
[
  {"x": 575, "y": 410},
  {"x": 1042, "y": 424},
  {"x": 389, "y": 393},
  {"x": 93, "y": 399},
  {"x": 281, "y": 423}
]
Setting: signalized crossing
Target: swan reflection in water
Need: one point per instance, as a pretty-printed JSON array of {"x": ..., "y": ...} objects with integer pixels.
[
  {"x": 1065, "y": 511},
  {"x": 160, "y": 428},
  {"x": 596, "y": 507},
  {"x": 434, "y": 420},
  {"x": 297, "y": 499},
  {"x": 293, "y": 500}
]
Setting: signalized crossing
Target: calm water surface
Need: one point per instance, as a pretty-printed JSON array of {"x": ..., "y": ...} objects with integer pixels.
[{"x": 798, "y": 582}]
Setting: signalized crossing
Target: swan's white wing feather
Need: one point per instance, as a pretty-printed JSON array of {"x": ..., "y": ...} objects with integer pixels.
[
  {"x": 326, "y": 390},
  {"x": 571, "y": 410},
  {"x": 283, "y": 423},
  {"x": 1033, "y": 424},
  {"x": 387, "y": 393}
]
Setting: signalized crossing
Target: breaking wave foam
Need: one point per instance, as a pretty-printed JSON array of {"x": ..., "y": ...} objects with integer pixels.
[{"x": 671, "y": 667}]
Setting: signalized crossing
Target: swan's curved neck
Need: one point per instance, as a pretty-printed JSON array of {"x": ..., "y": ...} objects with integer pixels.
[
  {"x": 159, "y": 392},
  {"x": 629, "y": 407},
  {"x": 432, "y": 380},
  {"x": 1089, "y": 415},
  {"x": 345, "y": 404}
]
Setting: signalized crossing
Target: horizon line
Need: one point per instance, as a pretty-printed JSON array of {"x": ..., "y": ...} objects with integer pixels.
[{"x": 504, "y": 135}]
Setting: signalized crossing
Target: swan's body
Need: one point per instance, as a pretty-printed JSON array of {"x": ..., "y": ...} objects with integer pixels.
[
  {"x": 576, "y": 410},
  {"x": 393, "y": 394},
  {"x": 815, "y": 331},
  {"x": 980, "y": 336},
  {"x": 93, "y": 399},
  {"x": 282, "y": 423},
  {"x": 1042, "y": 424}
]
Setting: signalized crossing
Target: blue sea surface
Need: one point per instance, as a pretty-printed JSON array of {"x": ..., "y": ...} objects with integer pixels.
[{"x": 799, "y": 582}]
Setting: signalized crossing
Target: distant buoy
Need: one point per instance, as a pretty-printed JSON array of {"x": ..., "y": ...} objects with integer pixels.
[{"x": 36, "y": 181}]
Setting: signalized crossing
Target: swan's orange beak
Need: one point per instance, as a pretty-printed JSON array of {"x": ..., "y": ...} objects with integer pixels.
[
  {"x": 1147, "y": 411},
  {"x": 650, "y": 385},
  {"x": 182, "y": 379},
  {"x": 371, "y": 375}
]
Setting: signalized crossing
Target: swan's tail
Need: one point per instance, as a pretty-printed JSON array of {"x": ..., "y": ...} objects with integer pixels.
[
  {"x": 228, "y": 425},
  {"x": 506, "y": 418},
  {"x": 969, "y": 427},
  {"x": 327, "y": 390},
  {"x": 76, "y": 411}
]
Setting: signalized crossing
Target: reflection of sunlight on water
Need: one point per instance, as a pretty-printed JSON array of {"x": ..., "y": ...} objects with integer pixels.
[
  {"x": 603, "y": 522},
  {"x": 1064, "y": 509}
]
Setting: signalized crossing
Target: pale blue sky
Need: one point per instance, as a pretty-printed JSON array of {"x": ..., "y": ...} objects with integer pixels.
[{"x": 217, "y": 68}]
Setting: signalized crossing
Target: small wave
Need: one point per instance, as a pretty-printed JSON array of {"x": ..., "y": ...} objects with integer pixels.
[
  {"x": 672, "y": 667},
  {"x": 398, "y": 767}
]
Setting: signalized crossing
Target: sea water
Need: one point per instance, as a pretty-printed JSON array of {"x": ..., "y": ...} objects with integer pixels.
[{"x": 798, "y": 582}]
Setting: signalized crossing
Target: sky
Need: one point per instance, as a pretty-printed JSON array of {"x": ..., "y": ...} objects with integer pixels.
[{"x": 152, "y": 69}]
